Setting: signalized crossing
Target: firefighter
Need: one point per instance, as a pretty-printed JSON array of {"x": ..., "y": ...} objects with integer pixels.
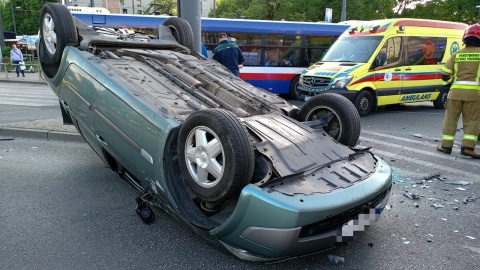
[{"x": 463, "y": 71}]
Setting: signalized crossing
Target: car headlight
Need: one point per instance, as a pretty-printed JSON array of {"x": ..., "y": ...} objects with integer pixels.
[{"x": 341, "y": 82}]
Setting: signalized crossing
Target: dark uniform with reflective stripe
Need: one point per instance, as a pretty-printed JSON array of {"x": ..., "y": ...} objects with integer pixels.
[{"x": 463, "y": 97}]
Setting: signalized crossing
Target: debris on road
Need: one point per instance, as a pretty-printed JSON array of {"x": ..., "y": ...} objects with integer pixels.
[
  {"x": 437, "y": 205},
  {"x": 5, "y": 138},
  {"x": 335, "y": 259},
  {"x": 461, "y": 182},
  {"x": 471, "y": 237},
  {"x": 417, "y": 135},
  {"x": 460, "y": 188},
  {"x": 431, "y": 176},
  {"x": 411, "y": 195}
]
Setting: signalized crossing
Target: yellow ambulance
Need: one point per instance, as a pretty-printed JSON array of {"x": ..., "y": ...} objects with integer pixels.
[{"x": 384, "y": 62}]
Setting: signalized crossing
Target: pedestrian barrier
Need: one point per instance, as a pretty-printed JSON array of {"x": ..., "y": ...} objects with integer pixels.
[{"x": 32, "y": 68}]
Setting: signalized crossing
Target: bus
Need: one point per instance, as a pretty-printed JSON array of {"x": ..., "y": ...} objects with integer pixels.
[{"x": 276, "y": 52}]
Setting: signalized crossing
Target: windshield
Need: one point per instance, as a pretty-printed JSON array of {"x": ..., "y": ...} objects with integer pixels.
[{"x": 352, "y": 49}]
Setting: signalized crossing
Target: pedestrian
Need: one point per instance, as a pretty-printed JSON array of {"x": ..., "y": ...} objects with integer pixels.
[
  {"x": 229, "y": 54},
  {"x": 16, "y": 57},
  {"x": 463, "y": 71}
]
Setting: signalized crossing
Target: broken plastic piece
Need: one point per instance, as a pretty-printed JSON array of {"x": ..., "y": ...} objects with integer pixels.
[
  {"x": 335, "y": 259},
  {"x": 461, "y": 182},
  {"x": 430, "y": 176},
  {"x": 437, "y": 205},
  {"x": 460, "y": 188},
  {"x": 411, "y": 195},
  {"x": 471, "y": 237},
  {"x": 418, "y": 135}
]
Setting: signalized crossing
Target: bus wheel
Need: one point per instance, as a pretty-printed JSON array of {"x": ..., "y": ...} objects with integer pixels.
[
  {"x": 441, "y": 100},
  {"x": 215, "y": 155},
  {"x": 363, "y": 102},
  {"x": 294, "y": 92},
  {"x": 181, "y": 30},
  {"x": 57, "y": 30},
  {"x": 344, "y": 125}
]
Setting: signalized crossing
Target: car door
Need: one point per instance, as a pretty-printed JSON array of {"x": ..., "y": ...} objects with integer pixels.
[
  {"x": 77, "y": 95},
  {"x": 126, "y": 134}
]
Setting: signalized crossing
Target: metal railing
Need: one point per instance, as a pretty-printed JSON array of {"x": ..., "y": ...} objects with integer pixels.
[{"x": 30, "y": 68}]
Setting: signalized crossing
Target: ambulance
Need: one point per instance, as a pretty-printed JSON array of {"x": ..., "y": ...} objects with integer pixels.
[{"x": 384, "y": 62}]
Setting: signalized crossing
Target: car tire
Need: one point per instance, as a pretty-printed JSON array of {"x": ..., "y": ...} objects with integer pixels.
[
  {"x": 293, "y": 91},
  {"x": 345, "y": 124},
  {"x": 181, "y": 30},
  {"x": 57, "y": 30},
  {"x": 216, "y": 155},
  {"x": 441, "y": 100},
  {"x": 364, "y": 102}
]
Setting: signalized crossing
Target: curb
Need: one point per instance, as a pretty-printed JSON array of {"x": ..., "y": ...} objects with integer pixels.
[
  {"x": 41, "y": 134},
  {"x": 24, "y": 81}
]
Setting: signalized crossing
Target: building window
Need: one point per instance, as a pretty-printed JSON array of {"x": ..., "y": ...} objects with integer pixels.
[
  {"x": 125, "y": 11},
  {"x": 139, "y": 11},
  {"x": 122, "y": 2},
  {"x": 139, "y": 3}
]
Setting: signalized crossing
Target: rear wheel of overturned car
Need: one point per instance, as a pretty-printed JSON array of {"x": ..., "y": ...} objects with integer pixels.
[
  {"x": 363, "y": 102},
  {"x": 181, "y": 30},
  {"x": 57, "y": 30},
  {"x": 441, "y": 100},
  {"x": 344, "y": 125},
  {"x": 216, "y": 155}
]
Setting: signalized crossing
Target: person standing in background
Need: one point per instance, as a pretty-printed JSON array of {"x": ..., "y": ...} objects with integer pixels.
[
  {"x": 463, "y": 70},
  {"x": 16, "y": 57},
  {"x": 228, "y": 54}
]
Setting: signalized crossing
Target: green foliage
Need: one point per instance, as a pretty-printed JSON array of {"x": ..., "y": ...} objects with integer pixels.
[
  {"x": 314, "y": 10},
  {"x": 27, "y": 15},
  {"x": 163, "y": 7}
]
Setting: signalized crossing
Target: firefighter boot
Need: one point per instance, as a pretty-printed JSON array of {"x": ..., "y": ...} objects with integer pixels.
[
  {"x": 446, "y": 150},
  {"x": 467, "y": 151}
]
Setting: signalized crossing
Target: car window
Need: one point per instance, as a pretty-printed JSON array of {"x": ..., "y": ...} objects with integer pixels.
[{"x": 425, "y": 50}]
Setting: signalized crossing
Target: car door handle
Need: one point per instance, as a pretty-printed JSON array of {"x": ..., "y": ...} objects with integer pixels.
[
  {"x": 65, "y": 105},
  {"x": 408, "y": 68},
  {"x": 397, "y": 69},
  {"x": 101, "y": 140}
]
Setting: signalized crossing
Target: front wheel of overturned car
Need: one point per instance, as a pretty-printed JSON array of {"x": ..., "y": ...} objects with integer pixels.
[
  {"x": 344, "y": 120},
  {"x": 57, "y": 30},
  {"x": 216, "y": 155},
  {"x": 441, "y": 100},
  {"x": 181, "y": 30}
]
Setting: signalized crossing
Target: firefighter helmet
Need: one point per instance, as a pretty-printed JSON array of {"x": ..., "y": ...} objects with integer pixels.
[{"x": 472, "y": 31}]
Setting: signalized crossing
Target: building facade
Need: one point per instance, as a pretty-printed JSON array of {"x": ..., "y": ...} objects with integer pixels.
[{"x": 131, "y": 6}]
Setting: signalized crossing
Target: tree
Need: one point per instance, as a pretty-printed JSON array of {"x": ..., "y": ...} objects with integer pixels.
[
  {"x": 162, "y": 7},
  {"x": 27, "y": 15}
]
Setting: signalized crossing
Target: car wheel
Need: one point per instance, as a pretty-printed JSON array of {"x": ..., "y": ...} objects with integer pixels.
[
  {"x": 441, "y": 100},
  {"x": 294, "y": 92},
  {"x": 216, "y": 155},
  {"x": 364, "y": 102},
  {"x": 57, "y": 30},
  {"x": 181, "y": 30},
  {"x": 345, "y": 123}
]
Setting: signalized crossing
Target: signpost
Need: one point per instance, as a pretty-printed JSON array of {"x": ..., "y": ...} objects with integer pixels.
[{"x": 328, "y": 15}]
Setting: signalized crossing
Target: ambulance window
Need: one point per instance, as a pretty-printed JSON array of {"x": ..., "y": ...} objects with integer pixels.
[
  {"x": 426, "y": 50},
  {"x": 393, "y": 49}
]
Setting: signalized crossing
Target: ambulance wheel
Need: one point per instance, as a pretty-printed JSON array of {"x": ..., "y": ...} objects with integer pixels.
[
  {"x": 363, "y": 102},
  {"x": 441, "y": 100},
  {"x": 344, "y": 124}
]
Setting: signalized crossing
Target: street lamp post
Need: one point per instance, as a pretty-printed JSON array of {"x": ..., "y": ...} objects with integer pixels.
[
  {"x": 344, "y": 11},
  {"x": 13, "y": 18}
]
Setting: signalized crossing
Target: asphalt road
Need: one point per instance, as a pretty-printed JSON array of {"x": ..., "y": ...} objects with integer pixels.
[{"x": 61, "y": 208}]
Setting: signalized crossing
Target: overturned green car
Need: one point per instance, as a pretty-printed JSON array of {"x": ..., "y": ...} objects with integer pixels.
[{"x": 242, "y": 167}]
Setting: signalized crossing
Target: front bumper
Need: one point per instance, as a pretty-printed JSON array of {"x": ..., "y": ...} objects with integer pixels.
[
  {"x": 269, "y": 225},
  {"x": 341, "y": 91}
]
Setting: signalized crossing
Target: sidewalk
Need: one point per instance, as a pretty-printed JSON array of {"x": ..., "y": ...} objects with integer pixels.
[
  {"x": 29, "y": 77},
  {"x": 49, "y": 129}
]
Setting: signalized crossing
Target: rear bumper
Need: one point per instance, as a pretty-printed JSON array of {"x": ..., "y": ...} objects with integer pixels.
[{"x": 271, "y": 226}]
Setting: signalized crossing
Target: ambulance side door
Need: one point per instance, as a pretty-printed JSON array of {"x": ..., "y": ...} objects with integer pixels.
[
  {"x": 422, "y": 78},
  {"x": 388, "y": 71}
]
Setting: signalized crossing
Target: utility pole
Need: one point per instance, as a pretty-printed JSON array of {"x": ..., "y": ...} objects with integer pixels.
[
  {"x": 192, "y": 15},
  {"x": 2, "y": 36},
  {"x": 13, "y": 18},
  {"x": 344, "y": 11},
  {"x": 478, "y": 17}
]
